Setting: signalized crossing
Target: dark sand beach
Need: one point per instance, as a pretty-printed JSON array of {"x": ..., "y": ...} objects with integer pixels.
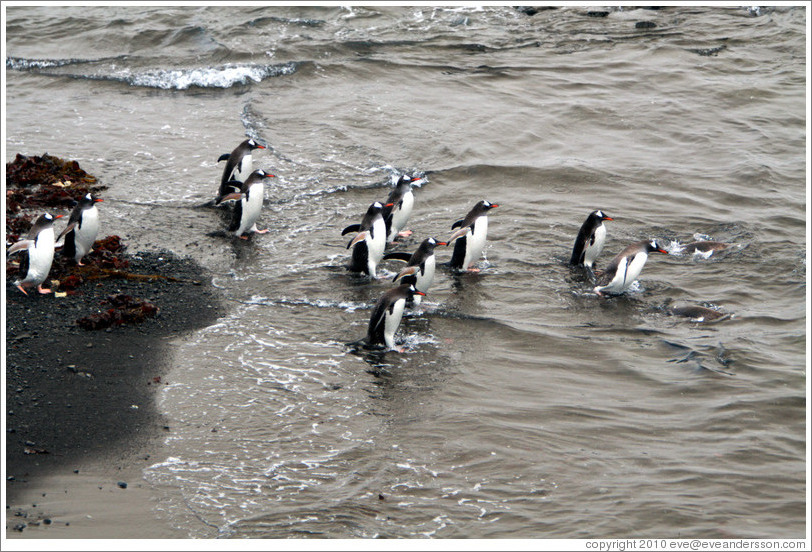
[{"x": 81, "y": 416}]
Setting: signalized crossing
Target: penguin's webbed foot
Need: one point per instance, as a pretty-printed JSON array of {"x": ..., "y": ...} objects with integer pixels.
[
  {"x": 21, "y": 288},
  {"x": 405, "y": 233},
  {"x": 265, "y": 231},
  {"x": 80, "y": 263},
  {"x": 42, "y": 290},
  {"x": 474, "y": 270}
]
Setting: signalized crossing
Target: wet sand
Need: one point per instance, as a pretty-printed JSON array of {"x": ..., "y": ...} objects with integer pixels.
[{"x": 81, "y": 420}]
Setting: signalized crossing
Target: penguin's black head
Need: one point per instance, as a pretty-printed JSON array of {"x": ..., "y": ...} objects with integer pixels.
[
  {"x": 430, "y": 243},
  {"x": 600, "y": 215},
  {"x": 263, "y": 174},
  {"x": 654, "y": 247},
  {"x": 487, "y": 205},
  {"x": 253, "y": 144}
]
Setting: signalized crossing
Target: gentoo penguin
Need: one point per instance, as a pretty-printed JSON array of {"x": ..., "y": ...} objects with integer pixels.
[
  {"x": 626, "y": 267},
  {"x": 239, "y": 165},
  {"x": 386, "y": 316},
  {"x": 248, "y": 203},
  {"x": 396, "y": 216},
  {"x": 82, "y": 229},
  {"x": 40, "y": 245},
  {"x": 704, "y": 248},
  {"x": 590, "y": 240},
  {"x": 700, "y": 314},
  {"x": 421, "y": 264},
  {"x": 473, "y": 230},
  {"x": 370, "y": 241}
]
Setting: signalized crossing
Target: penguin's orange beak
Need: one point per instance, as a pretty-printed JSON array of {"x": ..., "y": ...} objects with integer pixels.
[
  {"x": 419, "y": 293},
  {"x": 663, "y": 251},
  {"x": 442, "y": 243},
  {"x": 97, "y": 200},
  {"x": 389, "y": 205},
  {"x": 607, "y": 218},
  {"x": 260, "y": 147},
  {"x": 59, "y": 216},
  {"x": 494, "y": 205}
]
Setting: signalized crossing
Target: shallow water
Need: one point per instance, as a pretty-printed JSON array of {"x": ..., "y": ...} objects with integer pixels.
[{"x": 525, "y": 406}]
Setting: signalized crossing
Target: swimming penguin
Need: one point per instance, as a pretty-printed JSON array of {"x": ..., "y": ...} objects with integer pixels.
[
  {"x": 387, "y": 314},
  {"x": 473, "y": 230},
  {"x": 370, "y": 241},
  {"x": 626, "y": 267},
  {"x": 420, "y": 264},
  {"x": 239, "y": 166},
  {"x": 704, "y": 248},
  {"x": 40, "y": 245},
  {"x": 700, "y": 314},
  {"x": 82, "y": 229},
  {"x": 396, "y": 216},
  {"x": 590, "y": 240},
  {"x": 248, "y": 203}
]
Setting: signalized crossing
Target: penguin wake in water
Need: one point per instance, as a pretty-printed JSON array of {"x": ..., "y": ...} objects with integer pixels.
[
  {"x": 370, "y": 241},
  {"x": 82, "y": 229},
  {"x": 624, "y": 269},
  {"x": 398, "y": 208},
  {"x": 40, "y": 245},
  {"x": 238, "y": 167},
  {"x": 386, "y": 318},
  {"x": 590, "y": 240},
  {"x": 248, "y": 203},
  {"x": 704, "y": 248},
  {"x": 470, "y": 236},
  {"x": 420, "y": 264}
]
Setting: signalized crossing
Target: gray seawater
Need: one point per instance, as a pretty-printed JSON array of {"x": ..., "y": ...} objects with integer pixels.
[{"x": 524, "y": 406}]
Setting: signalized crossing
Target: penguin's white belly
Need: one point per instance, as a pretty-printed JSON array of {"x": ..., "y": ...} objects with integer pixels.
[
  {"x": 425, "y": 279},
  {"x": 242, "y": 170},
  {"x": 592, "y": 251},
  {"x": 251, "y": 208},
  {"x": 85, "y": 235},
  {"x": 627, "y": 273},
  {"x": 40, "y": 257},
  {"x": 401, "y": 216},
  {"x": 475, "y": 241},
  {"x": 392, "y": 321},
  {"x": 376, "y": 243}
]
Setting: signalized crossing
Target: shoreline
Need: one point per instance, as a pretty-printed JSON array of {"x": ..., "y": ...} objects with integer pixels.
[{"x": 81, "y": 414}]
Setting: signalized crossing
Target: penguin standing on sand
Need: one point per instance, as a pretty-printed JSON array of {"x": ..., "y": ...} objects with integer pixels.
[
  {"x": 386, "y": 316},
  {"x": 397, "y": 215},
  {"x": 590, "y": 240},
  {"x": 248, "y": 203},
  {"x": 40, "y": 245},
  {"x": 624, "y": 269},
  {"x": 471, "y": 236},
  {"x": 82, "y": 229},
  {"x": 239, "y": 165},
  {"x": 421, "y": 264},
  {"x": 370, "y": 241}
]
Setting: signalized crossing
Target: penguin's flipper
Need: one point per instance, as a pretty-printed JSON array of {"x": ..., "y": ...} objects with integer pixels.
[
  {"x": 224, "y": 157},
  {"x": 457, "y": 224},
  {"x": 67, "y": 229},
  {"x": 19, "y": 246},
  {"x": 398, "y": 256},
  {"x": 360, "y": 237},
  {"x": 409, "y": 270},
  {"x": 234, "y": 196},
  {"x": 458, "y": 234},
  {"x": 351, "y": 228}
]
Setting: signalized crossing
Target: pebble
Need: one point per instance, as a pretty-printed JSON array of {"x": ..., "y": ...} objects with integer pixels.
[{"x": 122, "y": 484}]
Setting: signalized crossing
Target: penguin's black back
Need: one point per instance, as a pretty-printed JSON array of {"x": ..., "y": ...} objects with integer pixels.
[
  {"x": 69, "y": 249},
  {"x": 236, "y": 218},
  {"x": 360, "y": 255},
  {"x": 458, "y": 257}
]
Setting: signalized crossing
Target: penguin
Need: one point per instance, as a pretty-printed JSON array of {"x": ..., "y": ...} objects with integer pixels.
[
  {"x": 700, "y": 314},
  {"x": 473, "y": 230},
  {"x": 40, "y": 245},
  {"x": 704, "y": 248},
  {"x": 386, "y": 316},
  {"x": 82, "y": 229},
  {"x": 590, "y": 240},
  {"x": 239, "y": 165},
  {"x": 248, "y": 203},
  {"x": 370, "y": 241},
  {"x": 396, "y": 216},
  {"x": 420, "y": 264},
  {"x": 624, "y": 269}
]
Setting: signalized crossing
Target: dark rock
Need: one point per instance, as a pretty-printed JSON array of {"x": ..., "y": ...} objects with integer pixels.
[
  {"x": 597, "y": 13},
  {"x": 645, "y": 25},
  {"x": 122, "y": 484}
]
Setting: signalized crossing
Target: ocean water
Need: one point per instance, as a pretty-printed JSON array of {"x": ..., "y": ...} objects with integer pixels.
[{"x": 524, "y": 405}]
